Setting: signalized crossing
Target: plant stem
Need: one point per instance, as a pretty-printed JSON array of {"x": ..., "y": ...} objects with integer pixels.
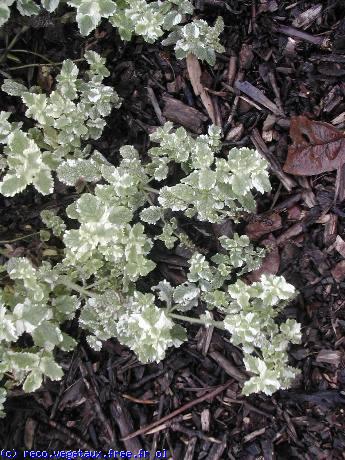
[
  {"x": 19, "y": 238},
  {"x": 34, "y": 54},
  {"x": 150, "y": 189},
  {"x": 189, "y": 319},
  {"x": 39, "y": 65},
  {"x": 77, "y": 288},
  {"x": 13, "y": 42}
]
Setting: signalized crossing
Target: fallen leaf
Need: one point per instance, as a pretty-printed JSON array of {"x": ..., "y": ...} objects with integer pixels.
[
  {"x": 195, "y": 75},
  {"x": 317, "y": 147},
  {"x": 295, "y": 213},
  {"x": 263, "y": 225},
  {"x": 44, "y": 78},
  {"x": 270, "y": 264}
]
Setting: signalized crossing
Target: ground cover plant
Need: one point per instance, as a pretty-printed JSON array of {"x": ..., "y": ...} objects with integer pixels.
[
  {"x": 147, "y": 19},
  {"x": 149, "y": 262},
  {"x": 110, "y": 249}
]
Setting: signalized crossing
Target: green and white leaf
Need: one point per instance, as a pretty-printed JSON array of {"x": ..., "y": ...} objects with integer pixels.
[
  {"x": 25, "y": 166},
  {"x": 90, "y": 13},
  {"x": 33, "y": 381},
  {"x": 5, "y": 11},
  {"x": 197, "y": 38},
  {"x": 13, "y": 88},
  {"x": 148, "y": 331},
  {"x": 186, "y": 296},
  {"x": 19, "y": 268},
  {"x": 3, "y": 392},
  {"x": 50, "y": 5},
  {"x": 53, "y": 222},
  {"x": 71, "y": 171},
  {"x": 152, "y": 214}
]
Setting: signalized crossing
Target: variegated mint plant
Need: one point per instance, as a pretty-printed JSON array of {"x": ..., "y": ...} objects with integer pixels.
[
  {"x": 65, "y": 120},
  {"x": 25, "y": 8},
  {"x": 109, "y": 231},
  {"x": 149, "y": 19}
]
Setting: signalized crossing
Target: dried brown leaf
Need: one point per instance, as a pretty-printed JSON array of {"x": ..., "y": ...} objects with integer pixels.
[
  {"x": 270, "y": 264},
  {"x": 195, "y": 76},
  {"x": 263, "y": 225},
  {"x": 317, "y": 147}
]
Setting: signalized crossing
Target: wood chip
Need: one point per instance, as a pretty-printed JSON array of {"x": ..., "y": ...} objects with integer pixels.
[
  {"x": 323, "y": 42},
  {"x": 330, "y": 356},
  {"x": 257, "y": 96},
  {"x": 235, "y": 134},
  {"x": 330, "y": 229},
  {"x": 340, "y": 245},
  {"x": 292, "y": 231},
  {"x": 182, "y": 114},
  {"x": 205, "y": 418},
  {"x": 254, "y": 434},
  {"x": 270, "y": 264},
  {"x": 190, "y": 449},
  {"x": 340, "y": 119},
  {"x": 217, "y": 450},
  {"x": 305, "y": 19},
  {"x": 338, "y": 271},
  {"x": 232, "y": 70},
  {"x": 29, "y": 432}
]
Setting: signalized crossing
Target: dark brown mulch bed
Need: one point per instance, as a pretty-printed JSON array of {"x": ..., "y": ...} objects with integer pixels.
[{"x": 282, "y": 59}]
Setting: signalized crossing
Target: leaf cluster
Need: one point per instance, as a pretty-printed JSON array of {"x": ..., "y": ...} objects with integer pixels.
[
  {"x": 149, "y": 19},
  {"x": 65, "y": 120},
  {"x": 107, "y": 249}
]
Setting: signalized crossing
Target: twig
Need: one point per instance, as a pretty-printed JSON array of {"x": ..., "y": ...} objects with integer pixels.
[
  {"x": 155, "y": 436},
  {"x": 232, "y": 69},
  {"x": 276, "y": 91},
  {"x": 178, "y": 411},
  {"x": 13, "y": 42},
  {"x": 260, "y": 145},
  {"x": 164, "y": 426},
  {"x": 34, "y": 54},
  {"x": 139, "y": 401},
  {"x": 19, "y": 238},
  {"x": 73, "y": 438},
  {"x": 155, "y": 105},
  {"x": 26, "y": 66},
  {"x": 296, "y": 33}
]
